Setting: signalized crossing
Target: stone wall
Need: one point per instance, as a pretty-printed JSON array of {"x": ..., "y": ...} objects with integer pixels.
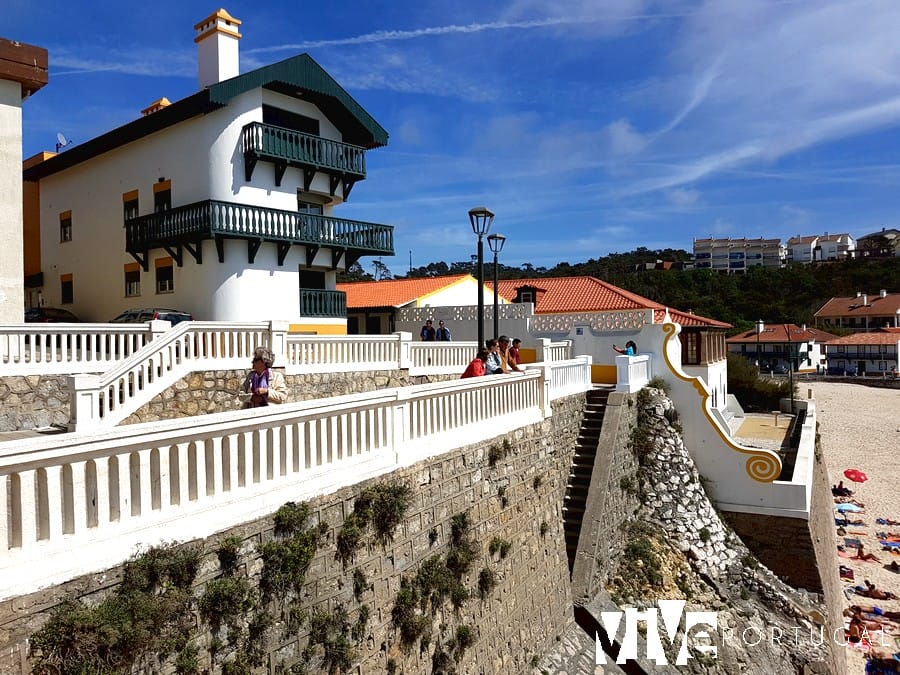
[
  {"x": 33, "y": 401},
  {"x": 43, "y": 400},
  {"x": 511, "y": 492},
  {"x": 612, "y": 500}
]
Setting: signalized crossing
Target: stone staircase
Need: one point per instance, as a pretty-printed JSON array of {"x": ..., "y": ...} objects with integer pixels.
[{"x": 582, "y": 468}]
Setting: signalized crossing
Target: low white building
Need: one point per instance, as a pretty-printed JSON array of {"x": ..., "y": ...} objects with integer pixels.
[
  {"x": 221, "y": 204},
  {"x": 779, "y": 346},
  {"x": 816, "y": 248}
]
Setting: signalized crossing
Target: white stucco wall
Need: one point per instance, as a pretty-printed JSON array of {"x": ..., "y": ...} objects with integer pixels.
[
  {"x": 12, "y": 297},
  {"x": 203, "y": 160}
]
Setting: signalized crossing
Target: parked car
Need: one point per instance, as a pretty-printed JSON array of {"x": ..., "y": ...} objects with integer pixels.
[
  {"x": 49, "y": 315},
  {"x": 173, "y": 316},
  {"x": 780, "y": 370},
  {"x": 842, "y": 370}
]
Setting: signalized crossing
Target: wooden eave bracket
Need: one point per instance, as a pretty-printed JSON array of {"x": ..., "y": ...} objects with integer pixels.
[{"x": 176, "y": 253}]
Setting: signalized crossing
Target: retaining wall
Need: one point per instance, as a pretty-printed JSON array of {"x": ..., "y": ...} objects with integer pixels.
[{"x": 507, "y": 498}]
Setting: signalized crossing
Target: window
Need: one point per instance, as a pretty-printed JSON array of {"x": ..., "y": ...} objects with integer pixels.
[
  {"x": 289, "y": 120},
  {"x": 132, "y": 280},
  {"x": 690, "y": 348},
  {"x": 65, "y": 226},
  {"x": 162, "y": 196},
  {"x": 165, "y": 278},
  {"x": 130, "y": 205},
  {"x": 66, "y": 289},
  {"x": 308, "y": 207}
]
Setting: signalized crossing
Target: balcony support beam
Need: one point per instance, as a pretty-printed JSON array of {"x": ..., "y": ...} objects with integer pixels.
[
  {"x": 220, "y": 247},
  {"x": 311, "y": 255},
  {"x": 252, "y": 249},
  {"x": 249, "y": 164},
  {"x": 196, "y": 250},
  {"x": 308, "y": 175},
  {"x": 280, "y": 168},
  {"x": 333, "y": 183},
  {"x": 141, "y": 258},
  {"x": 283, "y": 249},
  {"x": 336, "y": 254},
  {"x": 176, "y": 253}
]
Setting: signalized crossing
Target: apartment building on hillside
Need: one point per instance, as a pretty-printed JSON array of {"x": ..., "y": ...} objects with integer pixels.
[
  {"x": 819, "y": 248},
  {"x": 221, "y": 204},
  {"x": 735, "y": 256}
]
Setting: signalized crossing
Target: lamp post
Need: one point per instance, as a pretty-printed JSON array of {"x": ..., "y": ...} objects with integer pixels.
[
  {"x": 481, "y": 218},
  {"x": 495, "y": 242},
  {"x": 787, "y": 329},
  {"x": 760, "y": 327}
]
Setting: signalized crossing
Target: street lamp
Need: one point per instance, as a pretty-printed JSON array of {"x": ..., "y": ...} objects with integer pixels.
[
  {"x": 496, "y": 241},
  {"x": 481, "y": 218},
  {"x": 760, "y": 327}
]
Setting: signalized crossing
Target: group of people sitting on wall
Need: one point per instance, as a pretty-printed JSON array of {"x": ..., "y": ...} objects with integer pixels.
[{"x": 498, "y": 356}]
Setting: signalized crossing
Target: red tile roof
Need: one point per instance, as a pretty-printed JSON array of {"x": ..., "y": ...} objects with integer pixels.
[
  {"x": 566, "y": 295},
  {"x": 395, "y": 292},
  {"x": 777, "y": 332},
  {"x": 882, "y": 337},
  {"x": 875, "y": 306}
]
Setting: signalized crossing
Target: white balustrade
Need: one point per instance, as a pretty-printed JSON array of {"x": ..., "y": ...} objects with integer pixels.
[
  {"x": 81, "y": 502},
  {"x": 632, "y": 372},
  {"x": 107, "y": 399},
  {"x": 548, "y": 351},
  {"x": 68, "y": 348},
  {"x": 343, "y": 353},
  {"x": 440, "y": 358}
]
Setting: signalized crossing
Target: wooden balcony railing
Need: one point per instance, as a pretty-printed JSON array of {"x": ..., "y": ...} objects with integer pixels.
[
  {"x": 286, "y": 147},
  {"x": 321, "y": 303},
  {"x": 190, "y": 224}
]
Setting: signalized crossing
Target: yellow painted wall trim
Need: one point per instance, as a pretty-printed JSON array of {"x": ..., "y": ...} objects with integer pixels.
[
  {"x": 318, "y": 328},
  {"x": 761, "y": 466},
  {"x": 165, "y": 261},
  {"x": 601, "y": 374},
  {"x": 162, "y": 186},
  {"x": 130, "y": 196}
]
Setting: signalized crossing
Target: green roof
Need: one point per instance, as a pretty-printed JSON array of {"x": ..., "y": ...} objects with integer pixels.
[{"x": 299, "y": 77}]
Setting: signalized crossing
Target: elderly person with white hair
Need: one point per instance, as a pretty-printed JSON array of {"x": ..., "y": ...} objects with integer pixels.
[{"x": 264, "y": 385}]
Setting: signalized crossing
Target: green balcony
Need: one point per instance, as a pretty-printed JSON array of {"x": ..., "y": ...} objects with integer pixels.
[
  {"x": 320, "y": 303},
  {"x": 343, "y": 163},
  {"x": 184, "y": 228}
]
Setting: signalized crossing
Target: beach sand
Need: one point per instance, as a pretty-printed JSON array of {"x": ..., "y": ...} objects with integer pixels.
[{"x": 859, "y": 428}]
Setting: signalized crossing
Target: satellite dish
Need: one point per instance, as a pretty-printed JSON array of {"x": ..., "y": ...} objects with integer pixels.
[{"x": 61, "y": 141}]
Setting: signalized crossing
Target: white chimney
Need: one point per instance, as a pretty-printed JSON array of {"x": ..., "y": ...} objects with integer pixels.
[
  {"x": 883, "y": 293},
  {"x": 217, "y": 48},
  {"x": 865, "y": 300}
]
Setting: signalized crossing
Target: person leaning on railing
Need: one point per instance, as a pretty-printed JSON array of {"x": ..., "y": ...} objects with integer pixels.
[{"x": 262, "y": 384}]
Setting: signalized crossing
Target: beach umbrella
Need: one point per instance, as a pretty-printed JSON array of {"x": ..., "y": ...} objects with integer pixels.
[
  {"x": 847, "y": 507},
  {"x": 856, "y": 475}
]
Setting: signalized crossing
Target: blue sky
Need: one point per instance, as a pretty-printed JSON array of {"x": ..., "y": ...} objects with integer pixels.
[{"x": 587, "y": 126}]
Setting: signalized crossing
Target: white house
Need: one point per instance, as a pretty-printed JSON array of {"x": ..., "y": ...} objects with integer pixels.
[
  {"x": 816, "y": 248},
  {"x": 220, "y": 204}
]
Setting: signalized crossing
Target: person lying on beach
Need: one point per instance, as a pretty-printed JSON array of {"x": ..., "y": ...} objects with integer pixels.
[
  {"x": 875, "y": 593},
  {"x": 875, "y": 611},
  {"x": 893, "y": 567},
  {"x": 888, "y": 536},
  {"x": 870, "y": 622},
  {"x": 849, "y": 500},
  {"x": 862, "y": 555},
  {"x": 887, "y": 521}
]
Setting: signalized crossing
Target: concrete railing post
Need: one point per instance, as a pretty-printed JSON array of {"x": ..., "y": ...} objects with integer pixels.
[
  {"x": 541, "y": 347},
  {"x": 546, "y": 390},
  {"x": 405, "y": 340},
  {"x": 158, "y": 327},
  {"x": 84, "y": 401},
  {"x": 278, "y": 331}
]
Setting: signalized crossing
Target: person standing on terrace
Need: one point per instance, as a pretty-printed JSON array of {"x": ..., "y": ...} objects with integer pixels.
[{"x": 263, "y": 384}]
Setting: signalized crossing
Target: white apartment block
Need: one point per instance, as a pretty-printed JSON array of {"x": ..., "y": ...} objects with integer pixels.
[
  {"x": 735, "y": 256},
  {"x": 818, "y": 248}
]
